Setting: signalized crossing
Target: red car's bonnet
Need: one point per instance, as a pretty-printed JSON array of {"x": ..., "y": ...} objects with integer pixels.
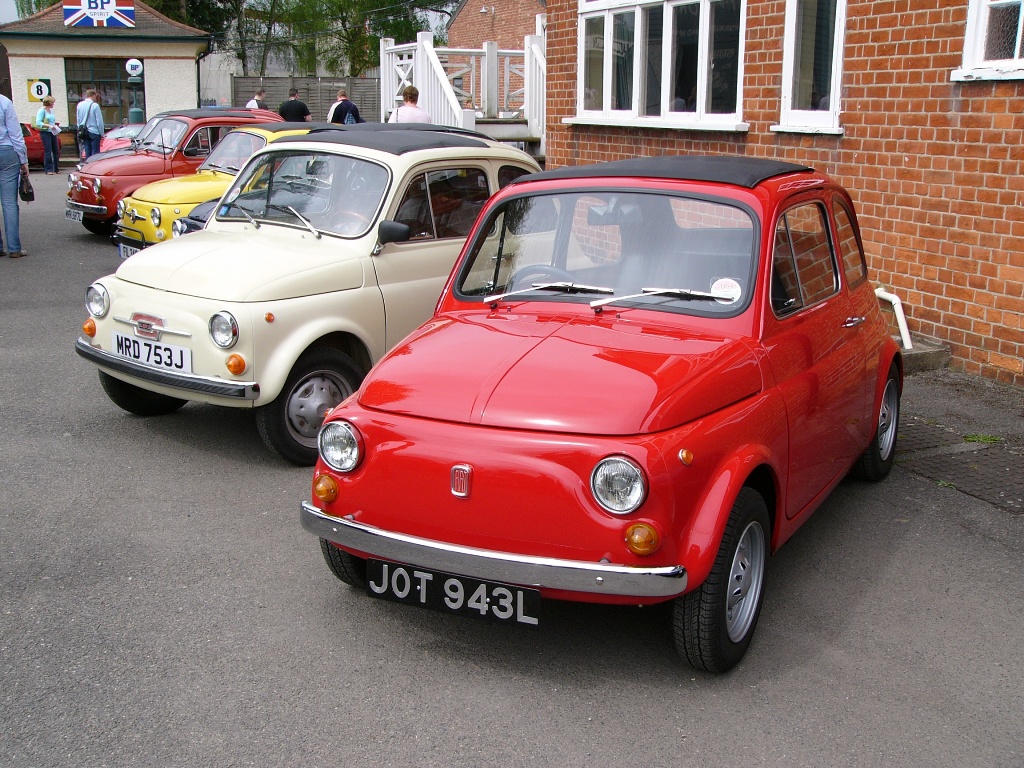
[{"x": 552, "y": 372}]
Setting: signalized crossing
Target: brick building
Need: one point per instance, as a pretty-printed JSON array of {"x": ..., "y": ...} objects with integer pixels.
[
  {"x": 505, "y": 22},
  {"x": 917, "y": 107}
]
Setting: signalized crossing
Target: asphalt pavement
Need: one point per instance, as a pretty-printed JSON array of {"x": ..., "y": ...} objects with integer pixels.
[{"x": 161, "y": 606}]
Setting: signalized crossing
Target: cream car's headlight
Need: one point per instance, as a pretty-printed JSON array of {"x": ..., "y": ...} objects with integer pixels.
[
  {"x": 155, "y": 217},
  {"x": 224, "y": 330},
  {"x": 96, "y": 185},
  {"x": 97, "y": 300},
  {"x": 341, "y": 445},
  {"x": 618, "y": 485}
]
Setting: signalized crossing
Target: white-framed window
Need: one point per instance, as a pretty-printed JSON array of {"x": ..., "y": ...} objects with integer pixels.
[
  {"x": 812, "y": 66},
  {"x": 994, "y": 44},
  {"x": 663, "y": 64}
]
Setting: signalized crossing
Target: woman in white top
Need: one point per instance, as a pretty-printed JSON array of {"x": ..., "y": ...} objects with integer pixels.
[{"x": 409, "y": 112}]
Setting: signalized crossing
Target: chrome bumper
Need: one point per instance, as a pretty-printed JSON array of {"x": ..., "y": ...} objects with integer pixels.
[
  {"x": 489, "y": 565},
  {"x": 97, "y": 210},
  {"x": 187, "y": 382},
  {"x": 124, "y": 235}
]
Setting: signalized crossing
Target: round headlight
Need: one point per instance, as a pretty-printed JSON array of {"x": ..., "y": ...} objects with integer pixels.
[
  {"x": 72, "y": 178},
  {"x": 96, "y": 185},
  {"x": 341, "y": 445},
  {"x": 155, "y": 217},
  {"x": 618, "y": 485},
  {"x": 97, "y": 300},
  {"x": 121, "y": 208},
  {"x": 177, "y": 228},
  {"x": 223, "y": 330}
]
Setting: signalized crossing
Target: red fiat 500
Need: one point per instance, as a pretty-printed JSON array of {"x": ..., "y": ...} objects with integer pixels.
[{"x": 641, "y": 379}]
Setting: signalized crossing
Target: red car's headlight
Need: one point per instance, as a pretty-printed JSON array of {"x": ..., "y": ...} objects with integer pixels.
[
  {"x": 618, "y": 485},
  {"x": 341, "y": 446}
]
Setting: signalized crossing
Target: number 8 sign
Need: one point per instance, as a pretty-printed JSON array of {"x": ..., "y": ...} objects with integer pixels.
[{"x": 38, "y": 89}]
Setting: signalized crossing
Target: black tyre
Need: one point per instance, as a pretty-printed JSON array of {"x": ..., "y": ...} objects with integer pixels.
[
  {"x": 319, "y": 381},
  {"x": 713, "y": 625},
  {"x": 137, "y": 400},
  {"x": 875, "y": 463},
  {"x": 349, "y": 568},
  {"x": 98, "y": 226}
]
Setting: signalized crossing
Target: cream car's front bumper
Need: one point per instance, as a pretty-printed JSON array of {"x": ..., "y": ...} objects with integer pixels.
[{"x": 186, "y": 382}]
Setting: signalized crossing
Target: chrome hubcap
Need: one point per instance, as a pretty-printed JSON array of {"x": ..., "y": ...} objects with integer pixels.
[
  {"x": 888, "y": 415},
  {"x": 745, "y": 580}
]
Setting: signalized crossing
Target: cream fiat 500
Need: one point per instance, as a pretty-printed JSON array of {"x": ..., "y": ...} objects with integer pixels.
[{"x": 324, "y": 253}]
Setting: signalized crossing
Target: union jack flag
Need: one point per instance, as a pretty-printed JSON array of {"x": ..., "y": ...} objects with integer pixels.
[{"x": 99, "y": 13}]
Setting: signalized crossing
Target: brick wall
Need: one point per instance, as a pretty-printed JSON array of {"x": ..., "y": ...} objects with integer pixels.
[
  {"x": 506, "y": 22},
  {"x": 935, "y": 168}
]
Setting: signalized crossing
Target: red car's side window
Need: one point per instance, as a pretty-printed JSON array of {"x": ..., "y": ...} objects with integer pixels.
[
  {"x": 850, "y": 252},
  {"x": 803, "y": 270}
]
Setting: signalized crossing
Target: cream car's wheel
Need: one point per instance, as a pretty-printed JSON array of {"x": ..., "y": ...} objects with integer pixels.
[
  {"x": 137, "y": 400},
  {"x": 713, "y": 625},
  {"x": 319, "y": 381}
]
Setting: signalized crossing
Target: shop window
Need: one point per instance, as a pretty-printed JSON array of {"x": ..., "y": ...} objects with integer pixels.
[
  {"x": 673, "y": 64},
  {"x": 994, "y": 45},
  {"x": 110, "y": 79}
]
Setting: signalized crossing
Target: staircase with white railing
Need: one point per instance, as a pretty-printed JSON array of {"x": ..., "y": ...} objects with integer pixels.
[{"x": 497, "y": 92}]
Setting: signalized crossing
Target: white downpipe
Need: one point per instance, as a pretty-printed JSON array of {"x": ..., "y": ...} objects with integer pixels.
[{"x": 901, "y": 319}]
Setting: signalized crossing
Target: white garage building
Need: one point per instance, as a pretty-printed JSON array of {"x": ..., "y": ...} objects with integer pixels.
[{"x": 80, "y": 44}]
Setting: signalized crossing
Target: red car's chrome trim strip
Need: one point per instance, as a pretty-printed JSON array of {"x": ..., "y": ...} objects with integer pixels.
[{"x": 538, "y": 572}]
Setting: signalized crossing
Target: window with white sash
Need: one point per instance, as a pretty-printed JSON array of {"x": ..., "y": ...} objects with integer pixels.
[
  {"x": 994, "y": 44},
  {"x": 671, "y": 64},
  {"x": 812, "y": 66}
]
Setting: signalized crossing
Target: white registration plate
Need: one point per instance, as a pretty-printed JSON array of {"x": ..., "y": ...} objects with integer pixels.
[
  {"x": 153, "y": 353},
  {"x": 124, "y": 251},
  {"x": 72, "y": 215}
]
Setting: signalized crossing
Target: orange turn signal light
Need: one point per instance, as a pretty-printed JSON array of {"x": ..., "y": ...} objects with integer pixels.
[
  {"x": 235, "y": 364},
  {"x": 325, "y": 488},
  {"x": 269, "y": 317},
  {"x": 89, "y": 328},
  {"x": 642, "y": 539}
]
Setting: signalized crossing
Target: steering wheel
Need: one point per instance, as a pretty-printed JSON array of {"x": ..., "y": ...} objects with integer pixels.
[
  {"x": 350, "y": 217},
  {"x": 538, "y": 273}
]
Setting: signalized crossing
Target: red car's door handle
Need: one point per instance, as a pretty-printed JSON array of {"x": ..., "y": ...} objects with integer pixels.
[{"x": 853, "y": 322}]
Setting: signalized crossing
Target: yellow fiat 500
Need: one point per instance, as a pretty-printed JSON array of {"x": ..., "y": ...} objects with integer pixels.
[{"x": 147, "y": 215}]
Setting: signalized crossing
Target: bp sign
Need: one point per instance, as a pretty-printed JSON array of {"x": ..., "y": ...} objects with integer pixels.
[
  {"x": 99, "y": 13},
  {"x": 134, "y": 67}
]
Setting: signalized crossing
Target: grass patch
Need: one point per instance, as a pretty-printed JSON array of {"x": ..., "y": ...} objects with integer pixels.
[{"x": 989, "y": 439}]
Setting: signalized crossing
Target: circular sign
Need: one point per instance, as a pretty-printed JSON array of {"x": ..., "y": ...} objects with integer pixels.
[
  {"x": 39, "y": 89},
  {"x": 134, "y": 67}
]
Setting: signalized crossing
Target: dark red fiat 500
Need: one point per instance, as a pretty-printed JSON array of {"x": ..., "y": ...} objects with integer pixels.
[{"x": 641, "y": 379}]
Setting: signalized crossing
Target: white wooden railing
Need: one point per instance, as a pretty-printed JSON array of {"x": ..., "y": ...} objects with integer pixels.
[{"x": 459, "y": 85}]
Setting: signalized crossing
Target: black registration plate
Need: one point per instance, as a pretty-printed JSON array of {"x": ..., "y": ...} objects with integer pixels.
[{"x": 452, "y": 594}]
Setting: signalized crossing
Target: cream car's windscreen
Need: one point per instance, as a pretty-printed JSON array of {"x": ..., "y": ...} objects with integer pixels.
[
  {"x": 659, "y": 251},
  {"x": 325, "y": 192}
]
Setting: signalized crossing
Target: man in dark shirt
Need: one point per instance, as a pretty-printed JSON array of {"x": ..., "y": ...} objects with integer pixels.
[
  {"x": 344, "y": 111},
  {"x": 293, "y": 110}
]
